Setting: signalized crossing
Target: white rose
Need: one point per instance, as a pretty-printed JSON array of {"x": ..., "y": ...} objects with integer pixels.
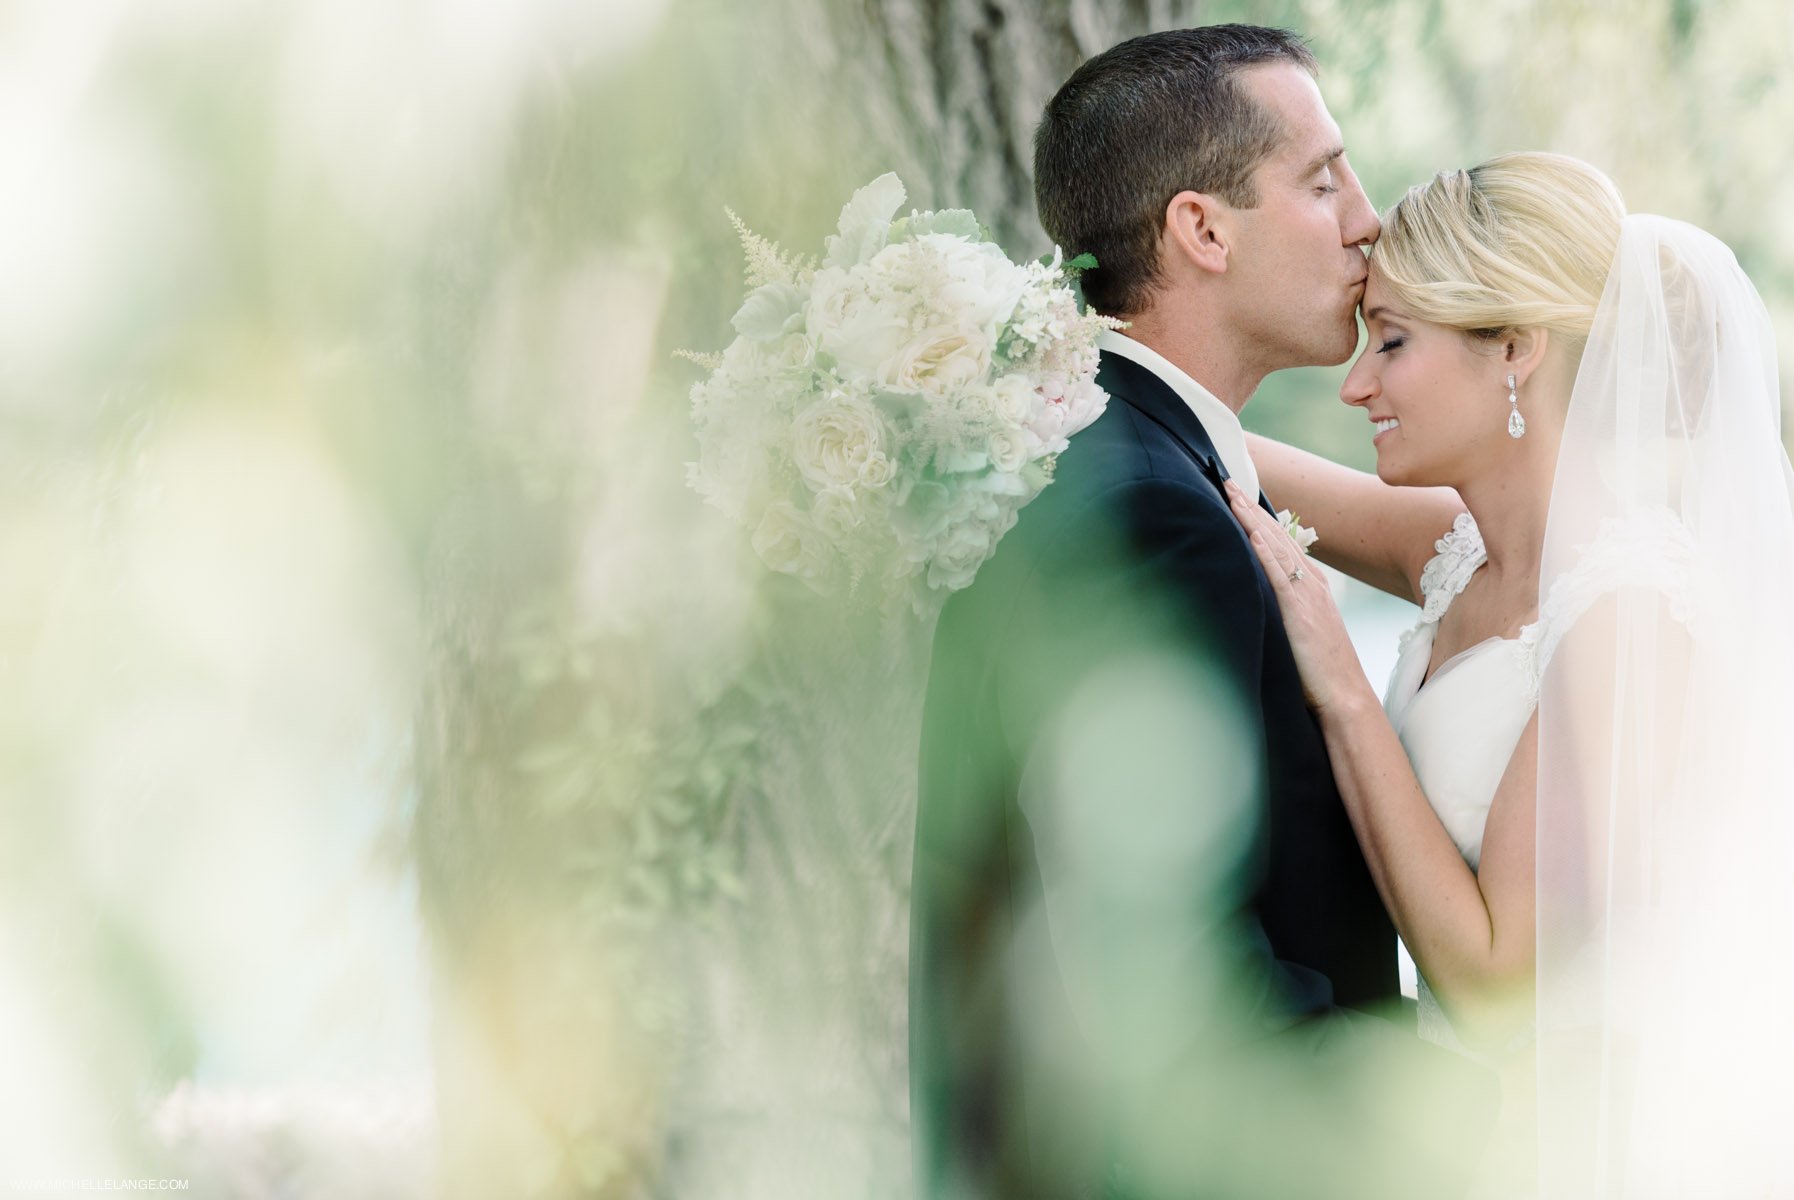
[
  {"x": 840, "y": 441},
  {"x": 836, "y": 512},
  {"x": 959, "y": 555},
  {"x": 794, "y": 350},
  {"x": 939, "y": 363},
  {"x": 877, "y": 471},
  {"x": 788, "y": 542},
  {"x": 1013, "y": 399},
  {"x": 1011, "y": 449}
]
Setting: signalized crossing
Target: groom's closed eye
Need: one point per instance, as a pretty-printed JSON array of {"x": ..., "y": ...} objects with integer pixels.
[{"x": 1320, "y": 169}]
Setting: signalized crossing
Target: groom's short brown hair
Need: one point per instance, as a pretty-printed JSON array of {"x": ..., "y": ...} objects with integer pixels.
[{"x": 1139, "y": 123}]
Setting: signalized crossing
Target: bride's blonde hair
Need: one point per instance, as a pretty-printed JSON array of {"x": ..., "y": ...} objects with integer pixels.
[{"x": 1522, "y": 240}]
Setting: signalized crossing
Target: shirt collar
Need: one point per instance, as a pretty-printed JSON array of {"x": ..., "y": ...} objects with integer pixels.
[{"x": 1218, "y": 421}]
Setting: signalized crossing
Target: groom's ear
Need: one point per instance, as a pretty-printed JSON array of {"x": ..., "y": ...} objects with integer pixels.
[
  {"x": 1522, "y": 350},
  {"x": 1196, "y": 232}
]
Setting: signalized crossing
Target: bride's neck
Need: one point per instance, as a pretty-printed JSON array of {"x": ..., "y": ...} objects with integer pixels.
[{"x": 1510, "y": 504}]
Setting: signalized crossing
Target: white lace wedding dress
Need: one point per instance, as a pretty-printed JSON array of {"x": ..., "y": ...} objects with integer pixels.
[{"x": 1459, "y": 726}]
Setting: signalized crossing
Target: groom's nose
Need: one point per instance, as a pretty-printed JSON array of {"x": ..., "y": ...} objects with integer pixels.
[{"x": 1358, "y": 224}]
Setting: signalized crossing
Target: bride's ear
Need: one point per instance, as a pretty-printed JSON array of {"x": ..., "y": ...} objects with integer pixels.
[
  {"x": 1195, "y": 231},
  {"x": 1522, "y": 350}
]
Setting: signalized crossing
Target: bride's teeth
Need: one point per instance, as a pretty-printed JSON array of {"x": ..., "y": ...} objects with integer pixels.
[{"x": 1386, "y": 426}]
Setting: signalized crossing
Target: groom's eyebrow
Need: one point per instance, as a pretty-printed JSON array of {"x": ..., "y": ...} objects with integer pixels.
[{"x": 1324, "y": 159}]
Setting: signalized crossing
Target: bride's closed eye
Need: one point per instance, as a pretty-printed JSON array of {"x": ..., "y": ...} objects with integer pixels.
[{"x": 1391, "y": 343}]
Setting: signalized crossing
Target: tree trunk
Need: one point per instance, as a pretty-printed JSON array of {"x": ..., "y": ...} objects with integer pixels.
[
  {"x": 962, "y": 84},
  {"x": 741, "y": 968}
]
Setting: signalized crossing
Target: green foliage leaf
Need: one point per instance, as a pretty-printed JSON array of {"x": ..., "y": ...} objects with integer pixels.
[
  {"x": 865, "y": 221},
  {"x": 960, "y": 222}
]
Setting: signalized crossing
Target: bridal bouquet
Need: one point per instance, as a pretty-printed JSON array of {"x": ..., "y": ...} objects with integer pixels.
[{"x": 884, "y": 414}]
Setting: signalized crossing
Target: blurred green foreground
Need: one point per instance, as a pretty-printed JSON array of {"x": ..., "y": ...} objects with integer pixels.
[{"x": 409, "y": 787}]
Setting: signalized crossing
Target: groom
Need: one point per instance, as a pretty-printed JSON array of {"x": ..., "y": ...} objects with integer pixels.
[{"x": 1144, "y": 941}]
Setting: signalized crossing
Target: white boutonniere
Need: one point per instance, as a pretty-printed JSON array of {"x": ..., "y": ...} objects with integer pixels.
[{"x": 1298, "y": 532}]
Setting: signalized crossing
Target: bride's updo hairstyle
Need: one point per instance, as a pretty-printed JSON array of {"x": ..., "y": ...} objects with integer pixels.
[{"x": 1522, "y": 240}]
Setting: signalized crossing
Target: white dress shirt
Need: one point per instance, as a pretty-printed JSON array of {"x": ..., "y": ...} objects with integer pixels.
[{"x": 1218, "y": 421}]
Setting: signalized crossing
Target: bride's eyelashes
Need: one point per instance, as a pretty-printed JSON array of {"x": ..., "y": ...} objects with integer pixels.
[{"x": 1391, "y": 343}]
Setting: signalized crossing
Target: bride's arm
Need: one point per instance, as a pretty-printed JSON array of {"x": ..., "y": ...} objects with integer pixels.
[
  {"x": 1617, "y": 753},
  {"x": 1471, "y": 932},
  {"x": 1374, "y": 532}
]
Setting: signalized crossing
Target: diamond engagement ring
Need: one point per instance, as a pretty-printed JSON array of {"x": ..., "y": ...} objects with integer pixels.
[{"x": 1297, "y": 575}]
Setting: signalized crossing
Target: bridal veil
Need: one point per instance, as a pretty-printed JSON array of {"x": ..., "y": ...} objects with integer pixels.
[{"x": 1666, "y": 743}]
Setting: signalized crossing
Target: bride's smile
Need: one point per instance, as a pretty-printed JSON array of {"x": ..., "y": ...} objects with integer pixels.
[{"x": 1437, "y": 397}]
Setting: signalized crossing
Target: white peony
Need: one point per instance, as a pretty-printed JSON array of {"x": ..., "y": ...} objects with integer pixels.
[
  {"x": 1070, "y": 406},
  {"x": 1049, "y": 421},
  {"x": 840, "y": 441},
  {"x": 976, "y": 283},
  {"x": 860, "y": 330},
  {"x": 1084, "y": 402}
]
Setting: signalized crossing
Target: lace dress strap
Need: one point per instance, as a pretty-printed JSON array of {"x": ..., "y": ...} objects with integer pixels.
[{"x": 1458, "y": 554}]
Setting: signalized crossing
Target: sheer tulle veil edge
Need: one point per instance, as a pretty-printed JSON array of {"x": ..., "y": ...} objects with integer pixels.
[{"x": 1665, "y": 813}]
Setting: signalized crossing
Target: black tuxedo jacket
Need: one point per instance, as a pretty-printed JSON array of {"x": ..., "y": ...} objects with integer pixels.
[{"x": 1138, "y": 907}]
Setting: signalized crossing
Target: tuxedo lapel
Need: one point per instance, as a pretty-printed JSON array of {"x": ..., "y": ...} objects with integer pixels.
[{"x": 1154, "y": 399}]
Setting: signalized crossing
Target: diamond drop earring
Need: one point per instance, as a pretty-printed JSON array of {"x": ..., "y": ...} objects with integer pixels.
[{"x": 1516, "y": 424}]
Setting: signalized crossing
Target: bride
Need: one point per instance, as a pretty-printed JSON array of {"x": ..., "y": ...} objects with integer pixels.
[{"x": 1576, "y": 796}]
